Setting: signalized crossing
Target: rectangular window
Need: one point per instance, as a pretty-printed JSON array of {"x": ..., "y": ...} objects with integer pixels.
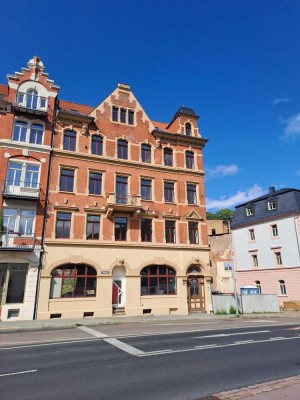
[
  {"x": 26, "y": 222},
  {"x": 122, "y": 149},
  {"x": 131, "y": 117},
  {"x": 120, "y": 228},
  {"x": 249, "y": 211},
  {"x": 36, "y": 134},
  {"x": 278, "y": 258},
  {"x": 146, "y": 189},
  {"x": 20, "y": 131},
  {"x": 92, "y": 227},
  {"x": 18, "y": 221},
  {"x": 251, "y": 234},
  {"x": 115, "y": 114},
  {"x": 146, "y": 153},
  {"x": 95, "y": 183},
  {"x": 170, "y": 231},
  {"x": 63, "y": 225},
  {"x": 271, "y": 205},
  {"x": 191, "y": 194},
  {"x": 16, "y": 283},
  {"x": 121, "y": 189},
  {"x": 254, "y": 260},
  {"x": 274, "y": 230},
  {"x": 123, "y": 116},
  {"x": 168, "y": 157},
  {"x": 193, "y": 233},
  {"x": 169, "y": 192},
  {"x": 25, "y": 175},
  {"x": 97, "y": 145},
  {"x": 146, "y": 230},
  {"x": 66, "y": 182}
]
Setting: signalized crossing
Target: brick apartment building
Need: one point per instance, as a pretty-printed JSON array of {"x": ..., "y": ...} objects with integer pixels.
[
  {"x": 27, "y": 109},
  {"x": 125, "y": 227}
]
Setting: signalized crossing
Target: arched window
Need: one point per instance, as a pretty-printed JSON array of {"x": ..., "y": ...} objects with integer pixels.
[
  {"x": 188, "y": 129},
  {"x": 189, "y": 160},
  {"x": 122, "y": 149},
  {"x": 282, "y": 288},
  {"x": 32, "y": 99},
  {"x": 97, "y": 145},
  {"x": 69, "y": 140},
  {"x": 158, "y": 280},
  {"x": 193, "y": 269},
  {"x": 73, "y": 280},
  {"x": 258, "y": 285},
  {"x": 146, "y": 153},
  {"x": 168, "y": 157}
]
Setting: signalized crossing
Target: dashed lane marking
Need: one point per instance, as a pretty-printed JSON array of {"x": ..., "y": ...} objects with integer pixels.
[
  {"x": 19, "y": 373},
  {"x": 230, "y": 334}
]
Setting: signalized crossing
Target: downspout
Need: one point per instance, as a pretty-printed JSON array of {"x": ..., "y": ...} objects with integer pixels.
[
  {"x": 45, "y": 211},
  {"x": 297, "y": 234}
]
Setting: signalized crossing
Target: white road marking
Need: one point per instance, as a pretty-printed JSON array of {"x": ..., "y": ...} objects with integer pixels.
[
  {"x": 277, "y": 338},
  {"x": 48, "y": 344},
  {"x": 113, "y": 341},
  {"x": 149, "y": 354},
  {"x": 244, "y": 341},
  {"x": 46, "y": 341},
  {"x": 123, "y": 346},
  {"x": 188, "y": 323},
  {"x": 207, "y": 346},
  {"x": 19, "y": 373},
  {"x": 92, "y": 332},
  {"x": 231, "y": 334}
]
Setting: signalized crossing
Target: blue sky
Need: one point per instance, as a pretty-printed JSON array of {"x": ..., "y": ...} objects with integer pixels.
[{"x": 236, "y": 63}]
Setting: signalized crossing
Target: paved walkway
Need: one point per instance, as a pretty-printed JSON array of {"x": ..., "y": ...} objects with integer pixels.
[{"x": 288, "y": 388}]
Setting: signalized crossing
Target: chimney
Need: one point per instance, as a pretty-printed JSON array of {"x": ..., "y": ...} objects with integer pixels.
[{"x": 272, "y": 190}]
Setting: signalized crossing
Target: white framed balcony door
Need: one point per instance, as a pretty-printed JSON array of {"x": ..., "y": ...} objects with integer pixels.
[{"x": 118, "y": 287}]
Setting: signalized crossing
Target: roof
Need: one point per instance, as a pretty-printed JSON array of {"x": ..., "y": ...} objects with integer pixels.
[
  {"x": 287, "y": 201},
  {"x": 164, "y": 126},
  {"x": 4, "y": 89},
  {"x": 70, "y": 106},
  {"x": 186, "y": 111}
]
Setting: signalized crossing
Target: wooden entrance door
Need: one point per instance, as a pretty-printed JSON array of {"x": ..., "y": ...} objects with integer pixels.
[{"x": 196, "y": 297}]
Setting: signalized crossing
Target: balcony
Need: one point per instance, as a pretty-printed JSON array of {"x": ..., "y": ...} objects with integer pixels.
[
  {"x": 17, "y": 242},
  {"x": 128, "y": 203},
  {"x": 31, "y": 103},
  {"x": 21, "y": 190}
]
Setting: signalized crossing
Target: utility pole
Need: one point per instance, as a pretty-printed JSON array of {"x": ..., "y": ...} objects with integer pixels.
[{"x": 233, "y": 270}]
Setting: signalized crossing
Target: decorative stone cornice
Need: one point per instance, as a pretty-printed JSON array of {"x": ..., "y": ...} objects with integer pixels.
[{"x": 176, "y": 138}]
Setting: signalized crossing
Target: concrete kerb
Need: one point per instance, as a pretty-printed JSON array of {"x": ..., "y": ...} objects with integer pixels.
[{"x": 40, "y": 325}]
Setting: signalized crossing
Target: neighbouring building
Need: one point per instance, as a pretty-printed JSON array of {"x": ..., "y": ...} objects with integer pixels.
[
  {"x": 102, "y": 209},
  {"x": 27, "y": 111},
  {"x": 266, "y": 238},
  {"x": 220, "y": 256}
]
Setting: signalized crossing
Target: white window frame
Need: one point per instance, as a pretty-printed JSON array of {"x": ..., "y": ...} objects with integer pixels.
[
  {"x": 29, "y": 125},
  {"x": 249, "y": 211},
  {"x": 272, "y": 205}
]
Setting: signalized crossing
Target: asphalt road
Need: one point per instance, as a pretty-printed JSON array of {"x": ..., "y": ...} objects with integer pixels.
[{"x": 86, "y": 363}]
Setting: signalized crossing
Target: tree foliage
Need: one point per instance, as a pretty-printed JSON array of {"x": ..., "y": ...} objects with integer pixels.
[{"x": 225, "y": 214}]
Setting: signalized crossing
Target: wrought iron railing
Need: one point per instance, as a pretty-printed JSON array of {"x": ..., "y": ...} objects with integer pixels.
[
  {"x": 17, "y": 241},
  {"x": 21, "y": 189}
]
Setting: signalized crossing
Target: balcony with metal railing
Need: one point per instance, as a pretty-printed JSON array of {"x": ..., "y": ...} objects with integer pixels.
[
  {"x": 17, "y": 242},
  {"x": 21, "y": 190},
  {"x": 31, "y": 102},
  {"x": 124, "y": 203}
]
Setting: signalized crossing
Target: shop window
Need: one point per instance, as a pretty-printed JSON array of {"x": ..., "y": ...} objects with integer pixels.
[
  {"x": 158, "y": 280},
  {"x": 73, "y": 280}
]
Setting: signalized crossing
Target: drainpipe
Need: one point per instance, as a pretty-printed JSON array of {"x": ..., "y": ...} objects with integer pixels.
[
  {"x": 45, "y": 211},
  {"x": 233, "y": 271},
  {"x": 297, "y": 235}
]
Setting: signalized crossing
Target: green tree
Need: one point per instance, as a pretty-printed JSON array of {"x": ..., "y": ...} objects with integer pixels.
[
  {"x": 225, "y": 214},
  {"x": 210, "y": 215}
]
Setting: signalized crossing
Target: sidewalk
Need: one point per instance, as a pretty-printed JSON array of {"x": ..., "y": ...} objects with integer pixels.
[
  {"x": 38, "y": 325},
  {"x": 288, "y": 388}
]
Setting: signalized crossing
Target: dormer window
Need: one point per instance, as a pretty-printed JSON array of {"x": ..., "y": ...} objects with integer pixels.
[
  {"x": 249, "y": 211},
  {"x": 271, "y": 205},
  {"x": 188, "y": 129}
]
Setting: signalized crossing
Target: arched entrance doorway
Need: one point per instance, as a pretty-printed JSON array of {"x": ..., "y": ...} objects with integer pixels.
[
  {"x": 195, "y": 289},
  {"x": 118, "y": 288}
]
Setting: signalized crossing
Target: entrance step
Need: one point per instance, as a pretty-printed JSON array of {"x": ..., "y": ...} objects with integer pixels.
[{"x": 119, "y": 311}]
